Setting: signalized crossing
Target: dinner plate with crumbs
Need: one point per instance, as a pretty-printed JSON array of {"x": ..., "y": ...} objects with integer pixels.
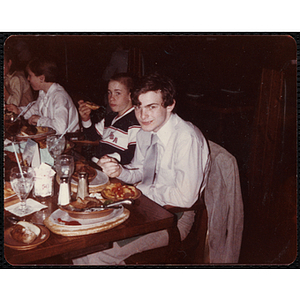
[
  {"x": 118, "y": 191},
  {"x": 41, "y": 133},
  {"x": 10, "y": 242},
  {"x": 100, "y": 179}
]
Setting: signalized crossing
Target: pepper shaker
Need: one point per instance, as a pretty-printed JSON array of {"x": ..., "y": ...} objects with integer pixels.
[{"x": 82, "y": 190}]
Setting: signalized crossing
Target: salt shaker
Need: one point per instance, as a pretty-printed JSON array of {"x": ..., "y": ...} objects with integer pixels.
[
  {"x": 64, "y": 195},
  {"x": 82, "y": 190}
]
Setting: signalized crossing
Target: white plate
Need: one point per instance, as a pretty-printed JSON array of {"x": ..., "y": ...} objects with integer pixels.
[
  {"x": 100, "y": 179},
  {"x": 85, "y": 223}
]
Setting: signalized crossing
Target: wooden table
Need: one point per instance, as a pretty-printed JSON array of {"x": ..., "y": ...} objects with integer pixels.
[{"x": 145, "y": 216}]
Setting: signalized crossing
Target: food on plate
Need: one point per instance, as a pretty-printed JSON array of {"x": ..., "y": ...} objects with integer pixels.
[
  {"x": 12, "y": 128},
  {"x": 28, "y": 130},
  {"x": 92, "y": 105},
  {"x": 82, "y": 167},
  {"x": 25, "y": 232},
  {"x": 119, "y": 191},
  {"x": 82, "y": 204}
]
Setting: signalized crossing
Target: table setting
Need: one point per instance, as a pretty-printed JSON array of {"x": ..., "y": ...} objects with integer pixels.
[
  {"x": 39, "y": 182},
  {"x": 67, "y": 202}
]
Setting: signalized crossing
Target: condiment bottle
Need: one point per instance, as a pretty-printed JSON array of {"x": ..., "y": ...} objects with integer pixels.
[
  {"x": 64, "y": 195},
  {"x": 82, "y": 190}
]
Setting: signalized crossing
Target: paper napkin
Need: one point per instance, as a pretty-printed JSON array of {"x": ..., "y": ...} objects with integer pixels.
[{"x": 31, "y": 204}]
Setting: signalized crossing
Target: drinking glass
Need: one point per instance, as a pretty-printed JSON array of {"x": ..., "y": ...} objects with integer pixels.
[
  {"x": 22, "y": 184},
  {"x": 64, "y": 166},
  {"x": 55, "y": 145}
]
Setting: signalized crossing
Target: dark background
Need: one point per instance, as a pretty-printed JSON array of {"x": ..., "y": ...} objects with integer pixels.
[{"x": 221, "y": 71}]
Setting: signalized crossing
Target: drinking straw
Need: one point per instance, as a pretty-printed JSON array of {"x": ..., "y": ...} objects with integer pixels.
[
  {"x": 62, "y": 135},
  {"x": 18, "y": 160}
]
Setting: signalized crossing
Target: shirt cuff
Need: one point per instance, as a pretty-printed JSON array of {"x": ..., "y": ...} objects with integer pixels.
[
  {"x": 115, "y": 155},
  {"x": 87, "y": 124},
  {"x": 122, "y": 176},
  {"x": 95, "y": 159}
]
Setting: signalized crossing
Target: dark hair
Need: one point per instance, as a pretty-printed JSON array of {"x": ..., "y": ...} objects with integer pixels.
[
  {"x": 15, "y": 63},
  {"x": 155, "y": 82},
  {"x": 44, "y": 66},
  {"x": 125, "y": 79}
]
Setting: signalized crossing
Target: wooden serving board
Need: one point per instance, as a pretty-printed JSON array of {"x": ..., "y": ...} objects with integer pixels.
[{"x": 106, "y": 225}]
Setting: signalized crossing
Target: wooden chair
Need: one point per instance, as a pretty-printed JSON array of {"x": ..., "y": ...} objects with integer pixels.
[{"x": 188, "y": 251}]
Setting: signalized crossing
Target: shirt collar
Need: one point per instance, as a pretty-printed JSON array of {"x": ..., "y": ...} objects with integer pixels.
[
  {"x": 126, "y": 113},
  {"x": 165, "y": 132},
  {"x": 52, "y": 88}
]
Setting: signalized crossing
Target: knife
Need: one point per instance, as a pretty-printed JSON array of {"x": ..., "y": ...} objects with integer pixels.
[
  {"x": 24, "y": 111},
  {"x": 114, "y": 205}
]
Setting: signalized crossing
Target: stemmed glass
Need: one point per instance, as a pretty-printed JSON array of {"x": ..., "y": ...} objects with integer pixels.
[
  {"x": 22, "y": 184},
  {"x": 64, "y": 166},
  {"x": 56, "y": 145}
]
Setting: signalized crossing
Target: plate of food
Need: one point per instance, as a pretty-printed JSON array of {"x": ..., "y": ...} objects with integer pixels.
[
  {"x": 34, "y": 132},
  {"x": 87, "y": 208},
  {"x": 91, "y": 208},
  {"x": 25, "y": 235},
  {"x": 82, "y": 167},
  {"x": 61, "y": 220},
  {"x": 118, "y": 191}
]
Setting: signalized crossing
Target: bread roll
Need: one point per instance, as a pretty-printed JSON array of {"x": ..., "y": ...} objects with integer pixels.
[{"x": 25, "y": 232}]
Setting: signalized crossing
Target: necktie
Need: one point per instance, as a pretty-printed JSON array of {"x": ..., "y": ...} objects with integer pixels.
[{"x": 150, "y": 161}]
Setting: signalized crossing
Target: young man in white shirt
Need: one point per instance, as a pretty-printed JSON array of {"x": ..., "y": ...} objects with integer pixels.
[{"x": 181, "y": 169}]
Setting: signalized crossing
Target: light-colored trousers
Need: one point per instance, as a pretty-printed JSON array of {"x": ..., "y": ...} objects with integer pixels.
[{"x": 116, "y": 255}]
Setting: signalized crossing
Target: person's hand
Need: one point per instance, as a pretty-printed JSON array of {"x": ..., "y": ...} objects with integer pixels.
[
  {"x": 13, "y": 108},
  {"x": 84, "y": 111},
  {"x": 110, "y": 166},
  {"x": 33, "y": 120}
]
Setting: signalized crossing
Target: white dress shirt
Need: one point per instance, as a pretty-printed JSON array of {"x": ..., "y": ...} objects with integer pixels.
[
  {"x": 182, "y": 166},
  {"x": 56, "y": 110}
]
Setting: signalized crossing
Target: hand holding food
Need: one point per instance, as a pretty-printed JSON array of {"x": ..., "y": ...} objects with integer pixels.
[
  {"x": 84, "y": 110},
  {"x": 91, "y": 105}
]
